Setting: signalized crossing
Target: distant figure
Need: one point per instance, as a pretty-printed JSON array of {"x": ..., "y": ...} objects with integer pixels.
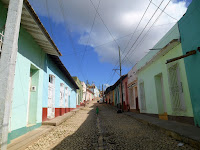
[{"x": 97, "y": 110}]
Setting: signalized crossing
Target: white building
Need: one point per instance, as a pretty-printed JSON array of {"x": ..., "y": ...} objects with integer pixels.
[
  {"x": 84, "y": 91},
  {"x": 95, "y": 90}
]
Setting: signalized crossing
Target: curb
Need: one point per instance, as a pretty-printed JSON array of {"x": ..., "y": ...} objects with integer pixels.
[
  {"x": 175, "y": 135},
  {"x": 59, "y": 120}
]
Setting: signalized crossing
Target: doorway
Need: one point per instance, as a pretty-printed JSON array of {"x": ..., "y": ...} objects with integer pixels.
[
  {"x": 51, "y": 97},
  {"x": 32, "y": 96},
  {"x": 162, "y": 110},
  {"x": 136, "y": 99}
]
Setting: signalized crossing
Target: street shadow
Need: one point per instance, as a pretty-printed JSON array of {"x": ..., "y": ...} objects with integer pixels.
[{"x": 86, "y": 137}]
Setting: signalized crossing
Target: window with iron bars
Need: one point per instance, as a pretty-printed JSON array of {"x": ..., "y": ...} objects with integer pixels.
[
  {"x": 176, "y": 89},
  {"x": 142, "y": 96},
  {"x": 1, "y": 40}
]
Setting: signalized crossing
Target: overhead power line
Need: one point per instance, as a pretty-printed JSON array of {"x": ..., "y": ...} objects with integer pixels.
[
  {"x": 135, "y": 30},
  {"x": 51, "y": 30},
  {"x": 70, "y": 37},
  {"x": 150, "y": 28},
  {"x": 90, "y": 31},
  {"x": 165, "y": 12},
  {"x": 143, "y": 29},
  {"x": 104, "y": 23}
]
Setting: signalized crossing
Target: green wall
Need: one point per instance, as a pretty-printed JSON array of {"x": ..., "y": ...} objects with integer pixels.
[
  {"x": 29, "y": 53},
  {"x": 148, "y": 76},
  {"x": 189, "y": 26}
]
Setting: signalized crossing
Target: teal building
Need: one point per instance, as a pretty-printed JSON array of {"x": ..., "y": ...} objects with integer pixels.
[
  {"x": 189, "y": 26},
  {"x": 37, "y": 65}
]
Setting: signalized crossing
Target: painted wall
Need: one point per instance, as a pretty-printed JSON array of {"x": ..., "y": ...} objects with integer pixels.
[
  {"x": 52, "y": 69},
  {"x": 173, "y": 33},
  {"x": 190, "y": 30},
  {"x": 79, "y": 91},
  {"x": 84, "y": 90},
  {"x": 29, "y": 53},
  {"x": 132, "y": 76},
  {"x": 125, "y": 90},
  {"x": 147, "y": 75}
]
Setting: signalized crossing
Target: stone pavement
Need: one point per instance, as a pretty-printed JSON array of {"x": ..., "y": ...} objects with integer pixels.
[
  {"x": 183, "y": 132},
  {"x": 22, "y": 142},
  {"x": 78, "y": 132},
  {"x": 121, "y": 131},
  {"x": 108, "y": 130}
]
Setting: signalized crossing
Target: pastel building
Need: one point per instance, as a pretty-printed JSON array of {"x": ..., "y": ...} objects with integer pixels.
[
  {"x": 190, "y": 40},
  {"x": 89, "y": 95},
  {"x": 59, "y": 89},
  {"x": 163, "y": 88},
  {"x": 95, "y": 90},
  {"x": 79, "y": 91},
  {"x": 84, "y": 90},
  {"x": 114, "y": 96},
  {"x": 126, "y": 103},
  {"x": 133, "y": 89},
  {"x": 41, "y": 81}
]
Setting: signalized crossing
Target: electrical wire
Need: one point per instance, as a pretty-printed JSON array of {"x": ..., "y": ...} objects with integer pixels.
[
  {"x": 143, "y": 30},
  {"x": 135, "y": 30},
  {"x": 150, "y": 28},
  {"x": 165, "y": 12},
  {"x": 47, "y": 7},
  {"x": 90, "y": 31},
  {"x": 70, "y": 37}
]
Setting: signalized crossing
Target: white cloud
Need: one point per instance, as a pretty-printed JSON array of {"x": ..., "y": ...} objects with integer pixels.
[
  {"x": 121, "y": 17},
  {"x": 106, "y": 85}
]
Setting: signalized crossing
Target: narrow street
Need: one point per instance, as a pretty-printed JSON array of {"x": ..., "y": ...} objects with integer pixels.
[{"x": 117, "y": 131}]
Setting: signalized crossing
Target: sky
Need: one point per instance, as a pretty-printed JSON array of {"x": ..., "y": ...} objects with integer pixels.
[{"x": 89, "y": 33}]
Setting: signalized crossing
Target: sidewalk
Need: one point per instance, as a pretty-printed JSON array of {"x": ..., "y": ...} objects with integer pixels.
[
  {"x": 182, "y": 132},
  {"x": 25, "y": 140},
  {"x": 58, "y": 120}
]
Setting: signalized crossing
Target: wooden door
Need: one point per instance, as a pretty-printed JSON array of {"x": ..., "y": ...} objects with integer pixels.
[
  {"x": 62, "y": 105},
  {"x": 66, "y": 97},
  {"x": 51, "y": 98}
]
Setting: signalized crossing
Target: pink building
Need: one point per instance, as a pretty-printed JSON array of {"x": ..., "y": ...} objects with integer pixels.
[
  {"x": 89, "y": 95},
  {"x": 125, "y": 93}
]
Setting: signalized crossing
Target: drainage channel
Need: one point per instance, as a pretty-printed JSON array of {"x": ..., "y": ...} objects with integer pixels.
[{"x": 101, "y": 144}]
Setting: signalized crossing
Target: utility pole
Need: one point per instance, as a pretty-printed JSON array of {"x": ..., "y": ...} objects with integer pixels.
[
  {"x": 102, "y": 92},
  {"x": 121, "y": 76},
  {"x": 7, "y": 66},
  {"x": 86, "y": 94}
]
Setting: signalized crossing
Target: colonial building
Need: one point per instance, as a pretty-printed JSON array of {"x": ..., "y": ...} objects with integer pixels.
[
  {"x": 163, "y": 88},
  {"x": 190, "y": 41},
  {"x": 79, "y": 91},
  {"x": 43, "y": 88},
  {"x": 133, "y": 89}
]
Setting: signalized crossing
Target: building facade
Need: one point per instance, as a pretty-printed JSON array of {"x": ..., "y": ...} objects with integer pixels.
[
  {"x": 163, "y": 88},
  {"x": 89, "y": 95},
  {"x": 189, "y": 31},
  {"x": 133, "y": 90},
  {"x": 79, "y": 91},
  {"x": 33, "y": 72}
]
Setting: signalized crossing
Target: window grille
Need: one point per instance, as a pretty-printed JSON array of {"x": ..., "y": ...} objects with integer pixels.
[
  {"x": 176, "y": 89},
  {"x": 142, "y": 96},
  {"x": 1, "y": 40}
]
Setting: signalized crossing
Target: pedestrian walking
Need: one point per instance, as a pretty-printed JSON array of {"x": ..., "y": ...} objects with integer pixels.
[{"x": 97, "y": 110}]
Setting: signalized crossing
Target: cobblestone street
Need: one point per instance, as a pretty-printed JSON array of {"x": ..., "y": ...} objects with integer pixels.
[{"x": 117, "y": 131}]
